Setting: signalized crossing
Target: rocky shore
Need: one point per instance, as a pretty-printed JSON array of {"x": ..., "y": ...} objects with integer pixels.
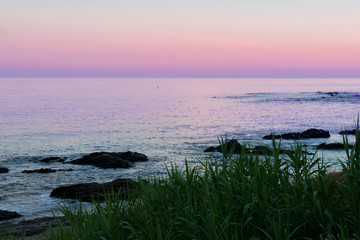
[
  {"x": 30, "y": 227},
  {"x": 87, "y": 192}
]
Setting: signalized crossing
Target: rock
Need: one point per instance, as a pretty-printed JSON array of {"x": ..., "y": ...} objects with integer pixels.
[
  {"x": 45, "y": 170},
  {"x": 5, "y": 215},
  {"x": 213, "y": 149},
  {"x": 332, "y": 146},
  {"x": 310, "y": 133},
  {"x": 4, "y": 170},
  {"x": 229, "y": 144},
  {"x": 261, "y": 150},
  {"x": 31, "y": 227},
  {"x": 348, "y": 132},
  {"x": 111, "y": 159},
  {"x": 332, "y": 93},
  {"x": 87, "y": 191},
  {"x": 52, "y": 160}
]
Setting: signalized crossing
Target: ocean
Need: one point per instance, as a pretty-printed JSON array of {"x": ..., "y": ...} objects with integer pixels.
[{"x": 167, "y": 119}]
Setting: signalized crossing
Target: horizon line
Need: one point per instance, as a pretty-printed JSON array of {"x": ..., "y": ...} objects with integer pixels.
[{"x": 184, "y": 77}]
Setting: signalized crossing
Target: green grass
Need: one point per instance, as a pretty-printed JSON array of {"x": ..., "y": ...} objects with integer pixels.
[{"x": 280, "y": 196}]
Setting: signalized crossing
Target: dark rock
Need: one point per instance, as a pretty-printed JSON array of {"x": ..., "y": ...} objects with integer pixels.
[
  {"x": 133, "y": 156},
  {"x": 310, "y": 133},
  {"x": 88, "y": 191},
  {"x": 332, "y": 93},
  {"x": 233, "y": 143},
  {"x": 42, "y": 170},
  {"x": 348, "y": 132},
  {"x": 5, "y": 215},
  {"x": 111, "y": 159},
  {"x": 52, "y": 159},
  {"x": 4, "y": 170},
  {"x": 45, "y": 170},
  {"x": 332, "y": 146},
  {"x": 31, "y": 227},
  {"x": 261, "y": 150},
  {"x": 213, "y": 149}
]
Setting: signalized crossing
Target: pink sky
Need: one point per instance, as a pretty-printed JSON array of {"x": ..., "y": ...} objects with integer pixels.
[{"x": 259, "y": 38}]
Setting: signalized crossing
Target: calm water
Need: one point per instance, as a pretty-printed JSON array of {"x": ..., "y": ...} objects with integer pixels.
[{"x": 166, "y": 119}]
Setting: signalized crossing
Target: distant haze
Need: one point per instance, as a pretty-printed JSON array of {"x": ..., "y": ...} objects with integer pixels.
[{"x": 180, "y": 38}]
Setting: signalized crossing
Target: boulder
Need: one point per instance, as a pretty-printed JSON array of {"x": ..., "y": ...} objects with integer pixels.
[
  {"x": 4, "y": 170},
  {"x": 348, "y": 132},
  {"x": 111, "y": 159},
  {"x": 310, "y": 133},
  {"x": 5, "y": 215},
  {"x": 332, "y": 146},
  {"x": 87, "y": 191},
  {"x": 52, "y": 160},
  {"x": 229, "y": 145},
  {"x": 45, "y": 170}
]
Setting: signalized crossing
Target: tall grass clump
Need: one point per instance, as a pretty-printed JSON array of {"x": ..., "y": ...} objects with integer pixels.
[{"x": 291, "y": 195}]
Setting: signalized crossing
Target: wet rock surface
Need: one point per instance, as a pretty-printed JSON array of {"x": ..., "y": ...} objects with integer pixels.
[
  {"x": 46, "y": 170},
  {"x": 348, "y": 132},
  {"x": 229, "y": 145},
  {"x": 111, "y": 159},
  {"x": 258, "y": 150},
  {"x": 4, "y": 170},
  {"x": 53, "y": 160},
  {"x": 6, "y": 215},
  {"x": 30, "y": 227},
  {"x": 310, "y": 133},
  {"x": 87, "y": 191},
  {"x": 332, "y": 146}
]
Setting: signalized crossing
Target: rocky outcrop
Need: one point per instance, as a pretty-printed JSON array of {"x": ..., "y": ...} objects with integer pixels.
[
  {"x": 88, "y": 191},
  {"x": 111, "y": 159},
  {"x": 46, "y": 170},
  {"x": 310, "y": 133},
  {"x": 332, "y": 146},
  {"x": 53, "y": 159},
  {"x": 348, "y": 132},
  {"x": 258, "y": 150},
  {"x": 4, "y": 170},
  {"x": 31, "y": 227},
  {"x": 233, "y": 143},
  {"x": 5, "y": 215}
]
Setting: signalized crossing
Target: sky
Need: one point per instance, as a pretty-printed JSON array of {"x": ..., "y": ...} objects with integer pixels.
[{"x": 180, "y": 38}]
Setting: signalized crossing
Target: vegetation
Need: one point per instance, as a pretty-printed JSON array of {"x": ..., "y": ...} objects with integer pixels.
[{"x": 280, "y": 196}]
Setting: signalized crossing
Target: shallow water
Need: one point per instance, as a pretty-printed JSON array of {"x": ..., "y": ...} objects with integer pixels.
[{"x": 166, "y": 119}]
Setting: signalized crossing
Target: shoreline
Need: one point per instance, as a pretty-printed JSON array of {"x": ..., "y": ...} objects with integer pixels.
[{"x": 30, "y": 228}]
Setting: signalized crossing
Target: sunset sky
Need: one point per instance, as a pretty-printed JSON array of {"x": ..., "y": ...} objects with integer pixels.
[{"x": 180, "y": 38}]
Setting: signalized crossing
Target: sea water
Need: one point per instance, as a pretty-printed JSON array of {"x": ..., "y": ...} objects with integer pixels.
[{"x": 169, "y": 120}]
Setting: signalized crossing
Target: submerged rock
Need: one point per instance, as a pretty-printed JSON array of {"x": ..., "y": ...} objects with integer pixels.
[
  {"x": 111, "y": 159},
  {"x": 5, "y": 215},
  {"x": 348, "y": 132},
  {"x": 332, "y": 146},
  {"x": 52, "y": 160},
  {"x": 310, "y": 133},
  {"x": 46, "y": 170},
  {"x": 233, "y": 143},
  {"x": 88, "y": 191},
  {"x": 4, "y": 170}
]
